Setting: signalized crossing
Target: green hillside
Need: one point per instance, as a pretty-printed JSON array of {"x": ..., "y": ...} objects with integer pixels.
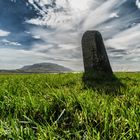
[{"x": 64, "y": 107}]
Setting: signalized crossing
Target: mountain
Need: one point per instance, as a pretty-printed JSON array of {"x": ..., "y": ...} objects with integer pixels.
[
  {"x": 39, "y": 68},
  {"x": 45, "y": 68}
]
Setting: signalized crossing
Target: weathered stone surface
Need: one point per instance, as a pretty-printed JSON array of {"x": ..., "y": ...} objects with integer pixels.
[{"x": 94, "y": 53}]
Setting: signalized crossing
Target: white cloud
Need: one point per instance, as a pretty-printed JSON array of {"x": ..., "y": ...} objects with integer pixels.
[
  {"x": 36, "y": 37},
  {"x": 114, "y": 15},
  {"x": 69, "y": 24},
  {"x": 100, "y": 14},
  {"x": 82, "y": 5},
  {"x": 6, "y": 42},
  {"x": 66, "y": 23},
  {"x": 4, "y": 33},
  {"x": 138, "y": 3},
  {"x": 128, "y": 39},
  {"x": 14, "y": 59}
]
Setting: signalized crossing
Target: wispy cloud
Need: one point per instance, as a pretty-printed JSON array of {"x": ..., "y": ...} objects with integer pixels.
[
  {"x": 4, "y": 33},
  {"x": 67, "y": 27},
  {"x": 138, "y": 3},
  {"x": 5, "y": 42},
  {"x": 62, "y": 24}
]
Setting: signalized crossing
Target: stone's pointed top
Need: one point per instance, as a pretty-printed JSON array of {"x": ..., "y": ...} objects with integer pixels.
[{"x": 94, "y": 53}]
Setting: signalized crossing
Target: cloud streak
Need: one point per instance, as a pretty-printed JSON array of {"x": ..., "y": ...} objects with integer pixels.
[
  {"x": 138, "y": 3},
  {"x": 4, "y": 33},
  {"x": 62, "y": 23}
]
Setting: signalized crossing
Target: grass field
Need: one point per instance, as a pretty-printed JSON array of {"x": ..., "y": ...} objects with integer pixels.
[{"x": 63, "y": 107}]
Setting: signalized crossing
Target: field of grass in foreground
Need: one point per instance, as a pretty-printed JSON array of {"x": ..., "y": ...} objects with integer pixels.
[{"x": 63, "y": 107}]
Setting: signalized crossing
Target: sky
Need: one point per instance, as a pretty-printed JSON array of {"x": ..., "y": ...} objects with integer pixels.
[{"x": 36, "y": 31}]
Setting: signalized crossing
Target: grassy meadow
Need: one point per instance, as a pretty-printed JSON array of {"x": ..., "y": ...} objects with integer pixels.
[{"x": 64, "y": 107}]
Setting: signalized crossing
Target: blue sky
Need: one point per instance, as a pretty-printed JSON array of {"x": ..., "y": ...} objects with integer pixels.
[{"x": 34, "y": 31}]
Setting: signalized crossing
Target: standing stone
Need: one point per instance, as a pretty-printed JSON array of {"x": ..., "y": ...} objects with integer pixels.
[{"x": 94, "y": 53}]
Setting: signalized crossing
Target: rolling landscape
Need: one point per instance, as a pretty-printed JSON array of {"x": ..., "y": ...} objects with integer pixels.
[{"x": 39, "y": 68}]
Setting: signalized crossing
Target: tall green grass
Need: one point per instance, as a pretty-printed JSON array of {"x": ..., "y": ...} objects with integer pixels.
[{"x": 63, "y": 107}]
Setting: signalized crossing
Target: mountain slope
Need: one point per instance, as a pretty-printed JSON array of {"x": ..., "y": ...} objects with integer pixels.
[
  {"x": 45, "y": 68},
  {"x": 39, "y": 68}
]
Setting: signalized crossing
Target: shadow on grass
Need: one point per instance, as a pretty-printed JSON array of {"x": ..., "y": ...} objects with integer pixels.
[{"x": 103, "y": 83}]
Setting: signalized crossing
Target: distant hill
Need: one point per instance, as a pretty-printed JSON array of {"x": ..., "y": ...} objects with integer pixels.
[
  {"x": 45, "y": 68},
  {"x": 39, "y": 68}
]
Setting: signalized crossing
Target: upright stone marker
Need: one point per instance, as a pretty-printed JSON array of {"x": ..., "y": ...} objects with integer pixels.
[{"x": 94, "y": 53}]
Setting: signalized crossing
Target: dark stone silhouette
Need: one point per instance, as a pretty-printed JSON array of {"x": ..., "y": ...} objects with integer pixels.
[
  {"x": 94, "y": 54},
  {"x": 98, "y": 73}
]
